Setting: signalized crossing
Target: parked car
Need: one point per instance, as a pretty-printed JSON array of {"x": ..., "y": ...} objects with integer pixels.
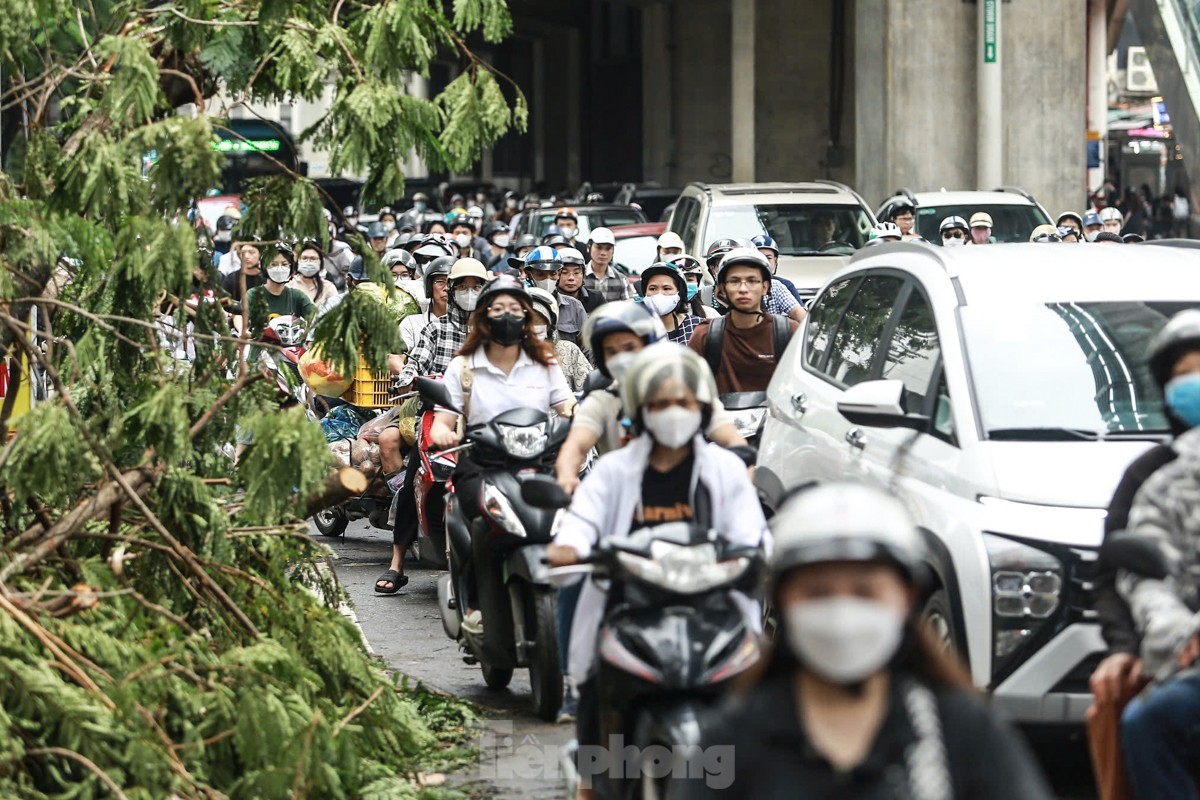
[
  {"x": 590, "y": 216},
  {"x": 1014, "y": 211},
  {"x": 655, "y": 200},
  {"x": 797, "y": 215},
  {"x": 1000, "y": 392},
  {"x": 637, "y": 245}
]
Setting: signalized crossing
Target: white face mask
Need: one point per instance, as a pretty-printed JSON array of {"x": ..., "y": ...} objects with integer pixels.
[
  {"x": 673, "y": 426},
  {"x": 953, "y": 242},
  {"x": 568, "y": 231},
  {"x": 309, "y": 268},
  {"x": 539, "y": 331},
  {"x": 618, "y": 365},
  {"x": 500, "y": 240},
  {"x": 1091, "y": 235},
  {"x": 462, "y": 240},
  {"x": 843, "y": 639},
  {"x": 389, "y": 226},
  {"x": 467, "y": 298},
  {"x": 661, "y": 304},
  {"x": 550, "y": 285},
  {"x": 279, "y": 274}
]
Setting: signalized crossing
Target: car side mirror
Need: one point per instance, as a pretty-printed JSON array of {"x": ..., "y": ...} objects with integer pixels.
[
  {"x": 435, "y": 393},
  {"x": 879, "y": 404},
  {"x": 1142, "y": 555}
]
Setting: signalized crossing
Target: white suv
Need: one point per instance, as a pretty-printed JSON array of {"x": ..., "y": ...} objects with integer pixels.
[
  {"x": 1014, "y": 212},
  {"x": 1000, "y": 392},
  {"x": 816, "y": 225}
]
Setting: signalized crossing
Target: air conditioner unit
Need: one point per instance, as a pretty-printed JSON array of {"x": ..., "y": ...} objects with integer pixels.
[{"x": 1139, "y": 75}]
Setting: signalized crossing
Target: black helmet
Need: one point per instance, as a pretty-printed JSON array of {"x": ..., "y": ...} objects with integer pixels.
[
  {"x": 496, "y": 227},
  {"x": 1179, "y": 335},
  {"x": 502, "y": 284},
  {"x": 662, "y": 268},
  {"x": 555, "y": 240},
  {"x": 719, "y": 248},
  {"x": 357, "y": 270},
  {"x": 439, "y": 266},
  {"x": 621, "y": 315},
  {"x": 744, "y": 257},
  {"x": 899, "y": 207}
]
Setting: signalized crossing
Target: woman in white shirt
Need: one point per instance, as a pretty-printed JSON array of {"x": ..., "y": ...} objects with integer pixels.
[{"x": 308, "y": 279}]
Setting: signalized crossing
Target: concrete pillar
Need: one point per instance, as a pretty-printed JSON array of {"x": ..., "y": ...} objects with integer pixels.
[
  {"x": 537, "y": 100},
  {"x": 990, "y": 95},
  {"x": 1097, "y": 86},
  {"x": 657, "y": 108},
  {"x": 872, "y": 101},
  {"x": 573, "y": 72},
  {"x": 742, "y": 68}
]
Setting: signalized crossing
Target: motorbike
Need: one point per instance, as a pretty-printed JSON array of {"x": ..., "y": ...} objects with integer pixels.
[
  {"x": 509, "y": 580},
  {"x": 289, "y": 333},
  {"x": 671, "y": 639},
  {"x": 432, "y": 476},
  {"x": 749, "y": 412}
]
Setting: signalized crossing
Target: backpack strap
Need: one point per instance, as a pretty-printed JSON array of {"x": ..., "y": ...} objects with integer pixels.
[
  {"x": 713, "y": 343},
  {"x": 783, "y": 334}
]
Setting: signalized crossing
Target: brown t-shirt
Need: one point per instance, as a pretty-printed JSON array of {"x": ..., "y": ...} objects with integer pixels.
[{"x": 747, "y": 355}]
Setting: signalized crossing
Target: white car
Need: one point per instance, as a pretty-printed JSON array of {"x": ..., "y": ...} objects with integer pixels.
[
  {"x": 1014, "y": 212},
  {"x": 1000, "y": 392}
]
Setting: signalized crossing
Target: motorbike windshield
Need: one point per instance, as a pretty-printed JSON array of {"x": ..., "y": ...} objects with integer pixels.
[{"x": 1066, "y": 370}]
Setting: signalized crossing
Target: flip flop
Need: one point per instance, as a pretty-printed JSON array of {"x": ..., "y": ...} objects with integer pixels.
[{"x": 393, "y": 577}]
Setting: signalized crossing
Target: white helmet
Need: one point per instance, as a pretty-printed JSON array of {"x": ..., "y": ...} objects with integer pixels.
[
  {"x": 670, "y": 239},
  {"x": 545, "y": 304},
  {"x": 658, "y": 362},
  {"x": 846, "y": 522},
  {"x": 883, "y": 230},
  {"x": 602, "y": 236},
  {"x": 1109, "y": 214}
]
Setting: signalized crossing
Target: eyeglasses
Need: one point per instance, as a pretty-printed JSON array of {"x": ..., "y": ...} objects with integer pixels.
[
  {"x": 751, "y": 283},
  {"x": 952, "y": 235}
]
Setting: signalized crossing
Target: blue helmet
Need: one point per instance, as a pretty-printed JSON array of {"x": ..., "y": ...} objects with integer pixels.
[
  {"x": 1091, "y": 218},
  {"x": 765, "y": 242},
  {"x": 543, "y": 258}
]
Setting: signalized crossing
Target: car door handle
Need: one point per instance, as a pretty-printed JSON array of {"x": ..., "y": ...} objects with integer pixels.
[
  {"x": 800, "y": 403},
  {"x": 856, "y": 438}
]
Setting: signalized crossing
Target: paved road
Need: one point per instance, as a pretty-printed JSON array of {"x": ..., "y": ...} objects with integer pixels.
[{"x": 406, "y": 631}]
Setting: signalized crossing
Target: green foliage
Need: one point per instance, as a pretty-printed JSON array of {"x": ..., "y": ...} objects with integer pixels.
[{"x": 183, "y": 639}]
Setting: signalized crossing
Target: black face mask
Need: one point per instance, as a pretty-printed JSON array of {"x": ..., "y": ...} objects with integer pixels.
[{"x": 507, "y": 329}]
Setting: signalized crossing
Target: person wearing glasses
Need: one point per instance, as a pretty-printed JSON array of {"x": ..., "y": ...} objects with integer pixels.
[
  {"x": 955, "y": 232},
  {"x": 747, "y": 342}
]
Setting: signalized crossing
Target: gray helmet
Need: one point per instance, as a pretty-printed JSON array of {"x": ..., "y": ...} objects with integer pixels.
[
  {"x": 377, "y": 230},
  {"x": 620, "y": 316},
  {"x": 439, "y": 266},
  {"x": 659, "y": 362},
  {"x": 1179, "y": 335},
  {"x": 846, "y": 522},
  {"x": 357, "y": 270},
  {"x": 398, "y": 256}
]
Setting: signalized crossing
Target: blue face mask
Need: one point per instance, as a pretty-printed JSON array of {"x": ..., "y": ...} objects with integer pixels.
[
  {"x": 691, "y": 291},
  {"x": 1183, "y": 397}
]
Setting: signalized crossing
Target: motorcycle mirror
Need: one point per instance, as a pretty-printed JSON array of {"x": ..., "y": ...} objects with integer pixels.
[
  {"x": 542, "y": 491},
  {"x": 435, "y": 393},
  {"x": 1142, "y": 555}
]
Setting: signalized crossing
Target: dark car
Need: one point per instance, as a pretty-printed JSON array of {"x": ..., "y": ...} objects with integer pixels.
[
  {"x": 592, "y": 216},
  {"x": 650, "y": 197}
]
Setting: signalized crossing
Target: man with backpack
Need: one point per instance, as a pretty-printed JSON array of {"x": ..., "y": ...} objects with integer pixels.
[{"x": 744, "y": 346}]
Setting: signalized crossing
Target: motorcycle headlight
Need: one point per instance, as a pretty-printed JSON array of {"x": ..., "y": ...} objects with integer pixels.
[
  {"x": 1027, "y": 586},
  {"x": 501, "y": 510},
  {"x": 525, "y": 443},
  {"x": 749, "y": 421},
  {"x": 682, "y": 569}
]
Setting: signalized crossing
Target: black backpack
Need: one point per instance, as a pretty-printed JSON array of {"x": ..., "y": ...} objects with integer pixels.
[{"x": 716, "y": 339}]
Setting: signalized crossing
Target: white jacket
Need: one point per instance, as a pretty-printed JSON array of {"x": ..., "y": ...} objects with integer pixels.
[{"x": 607, "y": 500}]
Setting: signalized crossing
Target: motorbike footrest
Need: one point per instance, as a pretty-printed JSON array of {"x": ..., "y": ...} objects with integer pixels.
[{"x": 472, "y": 660}]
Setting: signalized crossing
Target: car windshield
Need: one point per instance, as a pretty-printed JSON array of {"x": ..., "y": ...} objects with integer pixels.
[
  {"x": 1066, "y": 370},
  {"x": 1010, "y": 222},
  {"x": 609, "y": 218},
  {"x": 636, "y": 252},
  {"x": 798, "y": 228}
]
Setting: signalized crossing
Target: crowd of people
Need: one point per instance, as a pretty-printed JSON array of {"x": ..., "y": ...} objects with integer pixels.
[{"x": 854, "y": 699}]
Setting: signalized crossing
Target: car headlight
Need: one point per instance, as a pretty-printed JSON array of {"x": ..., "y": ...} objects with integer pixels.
[
  {"x": 682, "y": 569},
  {"x": 526, "y": 442},
  {"x": 1026, "y": 586},
  {"x": 749, "y": 421},
  {"x": 501, "y": 510}
]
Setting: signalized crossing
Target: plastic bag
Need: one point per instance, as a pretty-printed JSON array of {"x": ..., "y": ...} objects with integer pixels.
[
  {"x": 320, "y": 376},
  {"x": 371, "y": 430},
  {"x": 343, "y": 422}
]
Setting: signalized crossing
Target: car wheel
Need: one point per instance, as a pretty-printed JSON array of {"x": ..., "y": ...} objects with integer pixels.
[{"x": 938, "y": 616}]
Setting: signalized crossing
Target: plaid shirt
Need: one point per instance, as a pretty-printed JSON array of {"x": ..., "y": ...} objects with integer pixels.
[
  {"x": 684, "y": 328},
  {"x": 780, "y": 301},
  {"x": 440, "y": 341},
  {"x": 613, "y": 286}
]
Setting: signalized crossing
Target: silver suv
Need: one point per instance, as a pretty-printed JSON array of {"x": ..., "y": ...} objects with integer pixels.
[
  {"x": 816, "y": 225},
  {"x": 999, "y": 392}
]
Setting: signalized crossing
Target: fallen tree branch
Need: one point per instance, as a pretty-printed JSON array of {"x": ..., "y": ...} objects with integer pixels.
[
  {"x": 339, "y": 487},
  {"x": 87, "y": 764}
]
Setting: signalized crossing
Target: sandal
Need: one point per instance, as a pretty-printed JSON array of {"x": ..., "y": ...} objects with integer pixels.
[{"x": 393, "y": 577}]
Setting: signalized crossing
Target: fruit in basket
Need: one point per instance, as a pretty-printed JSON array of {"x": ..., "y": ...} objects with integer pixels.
[{"x": 320, "y": 375}]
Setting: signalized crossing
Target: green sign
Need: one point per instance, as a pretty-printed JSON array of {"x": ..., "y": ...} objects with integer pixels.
[
  {"x": 247, "y": 145},
  {"x": 989, "y": 31}
]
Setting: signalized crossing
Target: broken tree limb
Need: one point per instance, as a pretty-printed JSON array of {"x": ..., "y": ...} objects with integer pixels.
[{"x": 339, "y": 487}]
